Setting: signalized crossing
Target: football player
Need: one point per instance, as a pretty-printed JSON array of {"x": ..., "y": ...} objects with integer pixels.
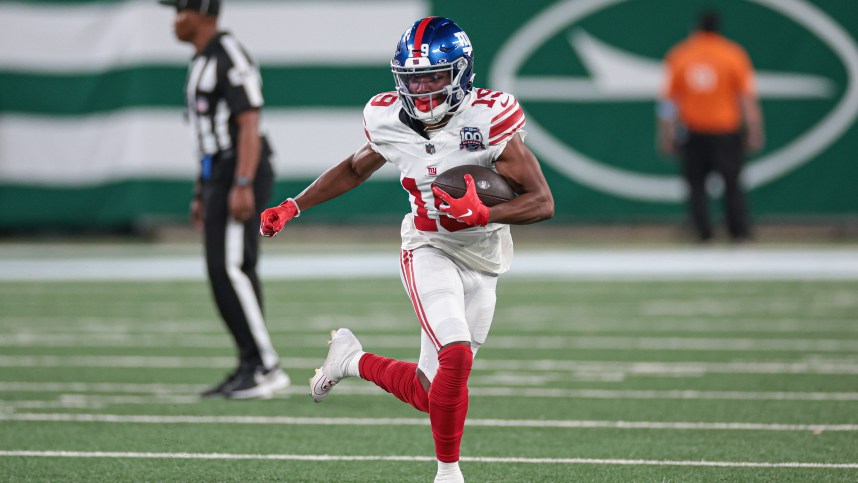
[{"x": 452, "y": 249}]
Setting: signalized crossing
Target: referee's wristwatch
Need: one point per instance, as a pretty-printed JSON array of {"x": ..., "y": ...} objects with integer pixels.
[{"x": 242, "y": 181}]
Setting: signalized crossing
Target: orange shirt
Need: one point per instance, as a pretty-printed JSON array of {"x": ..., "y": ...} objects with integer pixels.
[{"x": 706, "y": 76}]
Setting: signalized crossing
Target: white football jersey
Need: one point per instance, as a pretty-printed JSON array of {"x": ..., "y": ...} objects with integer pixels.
[{"x": 477, "y": 134}]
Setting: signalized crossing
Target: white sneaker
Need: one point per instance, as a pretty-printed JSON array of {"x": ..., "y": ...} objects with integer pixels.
[
  {"x": 262, "y": 384},
  {"x": 342, "y": 349}
]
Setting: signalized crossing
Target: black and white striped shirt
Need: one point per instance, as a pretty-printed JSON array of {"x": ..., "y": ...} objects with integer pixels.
[{"x": 223, "y": 81}]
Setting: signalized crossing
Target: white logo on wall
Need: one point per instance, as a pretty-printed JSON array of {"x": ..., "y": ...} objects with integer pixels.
[{"x": 618, "y": 76}]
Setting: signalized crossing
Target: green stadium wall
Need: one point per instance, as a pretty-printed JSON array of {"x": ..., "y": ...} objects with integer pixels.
[{"x": 92, "y": 133}]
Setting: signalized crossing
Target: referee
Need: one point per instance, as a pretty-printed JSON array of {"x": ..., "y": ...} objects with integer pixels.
[
  {"x": 710, "y": 90},
  {"x": 223, "y": 97}
]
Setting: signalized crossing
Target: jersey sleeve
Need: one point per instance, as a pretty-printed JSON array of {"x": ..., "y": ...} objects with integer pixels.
[
  {"x": 507, "y": 119},
  {"x": 242, "y": 86}
]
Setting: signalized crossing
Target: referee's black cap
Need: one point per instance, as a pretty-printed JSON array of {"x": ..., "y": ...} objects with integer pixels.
[{"x": 205, "y": 7}]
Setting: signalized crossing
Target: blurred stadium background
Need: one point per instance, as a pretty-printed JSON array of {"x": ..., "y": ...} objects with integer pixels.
[
  {"x": 93, "y": 135},
  {"x": 621, "y": 353}
]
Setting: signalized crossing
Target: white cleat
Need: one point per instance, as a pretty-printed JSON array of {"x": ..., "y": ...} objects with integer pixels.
[
  {"x": 451, "y": 477},
  {"x": 342, "y": 348}
]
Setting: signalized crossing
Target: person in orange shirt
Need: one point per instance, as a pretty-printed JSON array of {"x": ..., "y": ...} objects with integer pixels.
[{"x": 710, "y": 116}]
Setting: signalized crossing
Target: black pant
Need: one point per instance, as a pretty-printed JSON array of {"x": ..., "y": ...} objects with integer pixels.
[
  {"x": 724, "y": 154},
  {"x": 232, "y": 249}
]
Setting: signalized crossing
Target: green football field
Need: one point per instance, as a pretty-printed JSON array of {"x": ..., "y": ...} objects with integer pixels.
[{"x": 627, "y": 381}]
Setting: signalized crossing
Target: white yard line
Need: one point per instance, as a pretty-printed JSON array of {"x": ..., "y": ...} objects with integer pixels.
[
  {"x": 303, "y": 457},
  {"x": 752, "y": 263},
  {"x": 86, "y": 401},
  {"x": 180, "y": 391},
  {"x": 677, "y": 394},
  {"x": 817, "y": 366},
  {"x": 492, "y": 423},
  {"x": 118, "y": 339},
  {"x": 588, "y": 323},
  {"x": 98, "y": 387},
  {"x": 110, "y": 327},
  {"x": 637, "y": 368}
]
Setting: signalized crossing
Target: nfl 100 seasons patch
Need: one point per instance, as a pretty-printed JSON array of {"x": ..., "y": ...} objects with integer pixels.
[{"x": 471, "y": 139}]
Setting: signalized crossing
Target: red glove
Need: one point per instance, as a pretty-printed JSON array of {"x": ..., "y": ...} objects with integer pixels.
[
  {"x": 468, "y": 209},
  {"x": 274, "y": 219}
]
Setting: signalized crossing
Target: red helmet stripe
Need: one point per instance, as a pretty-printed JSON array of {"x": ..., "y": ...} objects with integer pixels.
[{"x": 418, "y": 37}]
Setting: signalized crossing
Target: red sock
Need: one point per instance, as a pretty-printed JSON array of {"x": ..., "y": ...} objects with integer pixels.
[
  {"x": 448, "y": 400},
  {"x": 396, "y": 377}
]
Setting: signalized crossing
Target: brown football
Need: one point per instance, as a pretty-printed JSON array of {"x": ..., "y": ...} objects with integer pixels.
[{"x": 491, "y": 187}]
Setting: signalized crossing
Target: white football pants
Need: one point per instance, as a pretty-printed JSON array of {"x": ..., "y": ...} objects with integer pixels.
[{"x": 453, "y": 303}]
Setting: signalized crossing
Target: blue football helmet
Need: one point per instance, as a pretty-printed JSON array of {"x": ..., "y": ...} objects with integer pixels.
[{"x": 429, "y": 48}]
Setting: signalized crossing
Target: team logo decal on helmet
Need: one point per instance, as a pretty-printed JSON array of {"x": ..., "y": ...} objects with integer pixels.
[{"x": 428, "y": 51}]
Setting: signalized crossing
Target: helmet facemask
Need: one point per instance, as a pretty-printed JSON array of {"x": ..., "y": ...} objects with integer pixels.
[{"x": 430, "y": 106}]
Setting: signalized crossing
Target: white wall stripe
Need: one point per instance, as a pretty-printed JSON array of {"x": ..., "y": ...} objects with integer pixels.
[
  {"x": 294, "y": 457},
  {"x": 96, "y": 36},
  {"x": 115, "y": 146},
  {"x": 489, "y": 423}
]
